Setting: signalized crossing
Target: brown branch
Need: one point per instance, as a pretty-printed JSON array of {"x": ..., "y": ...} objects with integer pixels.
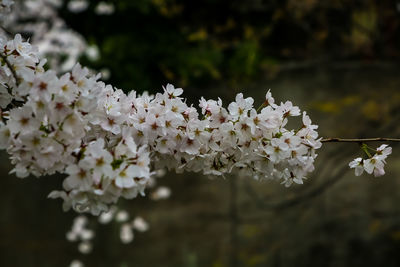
[
  {"x": 10, "y": 66},
  {"x": 360, "y": 140}
]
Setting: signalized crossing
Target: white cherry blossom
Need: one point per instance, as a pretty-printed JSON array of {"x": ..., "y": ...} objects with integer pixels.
[
  {"x": 109, "y": 144},
  {"x": 373, "y": 164}
]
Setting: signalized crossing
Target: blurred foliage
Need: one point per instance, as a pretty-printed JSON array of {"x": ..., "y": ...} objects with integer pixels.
[{"x": 146, "y": 43}]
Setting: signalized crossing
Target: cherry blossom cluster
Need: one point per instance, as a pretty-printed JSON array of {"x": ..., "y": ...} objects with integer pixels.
[
  {"x": 238, "y": 138},
  {"x": 51, "y": 126},
  {"x": 373, "y": 164},
  {"x": 107, "y": 142}
]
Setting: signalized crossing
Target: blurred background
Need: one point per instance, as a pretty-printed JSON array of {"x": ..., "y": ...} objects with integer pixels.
[{"x": 336, "y": 59}]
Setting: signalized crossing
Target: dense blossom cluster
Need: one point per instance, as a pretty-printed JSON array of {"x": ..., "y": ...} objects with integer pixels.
[
  {"x": 107, "y": 142},
  {"x": 373, "y": 164},
  {"x": 111, "y": 144}
]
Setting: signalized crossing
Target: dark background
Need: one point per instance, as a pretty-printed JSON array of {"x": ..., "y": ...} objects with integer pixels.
[{"x": 336, "y": 59}]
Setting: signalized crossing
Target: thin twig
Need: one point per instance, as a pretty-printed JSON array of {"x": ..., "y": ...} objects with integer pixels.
[
  {"x": 10, "y": 66},
  {"x": 359, "y": 140},
  {"x": 7, "y": 31}
]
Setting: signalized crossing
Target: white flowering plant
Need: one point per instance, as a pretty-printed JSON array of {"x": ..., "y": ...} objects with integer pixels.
[{"x": 109, "y": 144}]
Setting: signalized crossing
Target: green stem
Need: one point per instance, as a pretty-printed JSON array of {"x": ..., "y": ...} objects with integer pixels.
[{"x": 364, "y": 148}]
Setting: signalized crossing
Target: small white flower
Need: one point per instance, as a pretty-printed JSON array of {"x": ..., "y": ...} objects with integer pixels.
[
  {"x": 104, "y": 8},
  {"x": 357, "y": 165},
  {"x": 288, "y": 109},
  {"x": 173, "y": 92},
  {"x": 269, "y": 118},
  {"x": 87, "y": 234},
  {"x": 107, "y": 216},
  {"x": 140, "y": 224},
  {"x": 77, "y": 6},
  {"x": 122, "y": 216},
  {"x": 126, "y": 233},
  {"x": 85, "y": 247},
  {"x": 76, "y": 263},
  {"x": 21, "y": 119},
  {"x": 374, "y": 165},
  {"x": 269, "y": 100},
  {"x": 241, "y": 106},
  {"x": 78, "y": 177},
  {"x": 383, "y": 151},
  {"x": 160, "y": 193},
  {"x": 277, "y": 150}
]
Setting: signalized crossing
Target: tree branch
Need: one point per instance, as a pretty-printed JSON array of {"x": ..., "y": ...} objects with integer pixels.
[
  {"x": 10, "y": 66},
  {"x": 359, "y": 140}
]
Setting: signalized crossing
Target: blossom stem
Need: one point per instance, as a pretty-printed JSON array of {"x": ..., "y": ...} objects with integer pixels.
[
  {"x": 10, "y": 66},
  {"x": 359, "y": 140},
  {"x": 365, "y": 148},
  {"x": 261, "y": 106}
]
